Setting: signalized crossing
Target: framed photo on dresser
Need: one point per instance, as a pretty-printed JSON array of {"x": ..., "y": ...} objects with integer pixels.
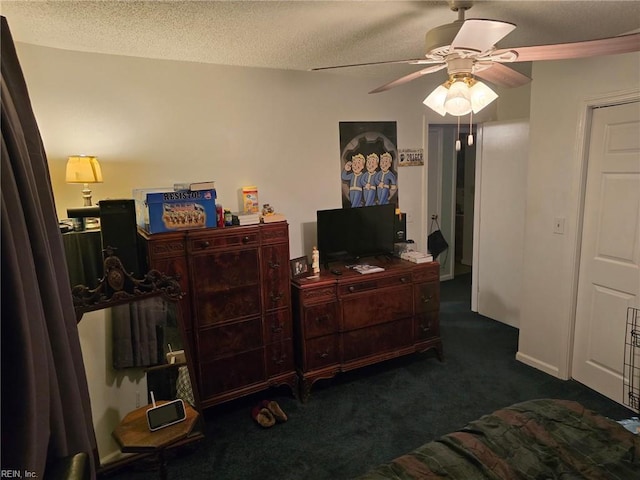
[{"x": 299, "y": 266}]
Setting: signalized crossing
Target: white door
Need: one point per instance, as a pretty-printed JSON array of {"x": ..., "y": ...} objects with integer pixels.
[
  {"x": 609, "y": 275},
  {"x": 501, "y": 185}
]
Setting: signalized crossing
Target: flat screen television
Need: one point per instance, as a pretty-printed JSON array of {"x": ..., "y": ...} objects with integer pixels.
[{"x": 348, "y": 234}]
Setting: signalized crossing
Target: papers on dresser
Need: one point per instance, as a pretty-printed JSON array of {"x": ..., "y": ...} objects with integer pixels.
[
  {"x": 366, "y": 268},
  {"x": 417, "y": 257},
  {"x": 273, "y": 217},
  {"x": 248, "y": 218}
]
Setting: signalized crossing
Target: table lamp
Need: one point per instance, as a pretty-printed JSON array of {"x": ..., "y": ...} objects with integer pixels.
[{"x": 84, "y": 169}]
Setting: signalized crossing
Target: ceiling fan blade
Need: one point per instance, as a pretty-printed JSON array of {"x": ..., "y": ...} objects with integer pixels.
[
  {"x": 481, "y": 35},
  {"x": 503, "y": 76},
  {"x": 412, "y": 61},
  {"x": 587, "y": 48},
  {"x": 408, "y": 78}
]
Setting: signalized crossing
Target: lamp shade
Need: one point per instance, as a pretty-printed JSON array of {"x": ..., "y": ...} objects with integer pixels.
[
  {"x": 83, "y": 169},
  {"x": 435, "y": 100},
  {"x": 481, "y": 96},
  {"x": 458, "y": 101}
]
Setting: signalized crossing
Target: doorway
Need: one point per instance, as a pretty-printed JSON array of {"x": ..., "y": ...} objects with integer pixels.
[
  {"x": 450, "y": 203},
  {"x": 464, "y": 201}
]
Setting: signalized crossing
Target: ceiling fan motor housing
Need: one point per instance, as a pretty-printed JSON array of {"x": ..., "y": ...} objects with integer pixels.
[{"x": 458, "y": 65}]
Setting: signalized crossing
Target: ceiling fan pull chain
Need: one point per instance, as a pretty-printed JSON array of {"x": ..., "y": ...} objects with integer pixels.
[
  {"x": 458, "y": 145},
  {"x": 470, "y": 137}
]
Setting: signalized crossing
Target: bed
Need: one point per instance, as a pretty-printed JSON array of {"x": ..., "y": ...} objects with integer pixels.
[{"x": 537, "y": 439}]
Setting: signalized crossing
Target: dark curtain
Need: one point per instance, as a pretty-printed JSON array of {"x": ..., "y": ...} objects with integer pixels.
[{"x": 46, "y": 413}]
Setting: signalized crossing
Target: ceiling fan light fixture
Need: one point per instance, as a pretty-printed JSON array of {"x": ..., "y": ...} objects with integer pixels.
[
  {"x": 481, "y": 96},
  {"x": 459, "y": 96},
  {"x": 435, "y": 100},
  {"x": 458, "y": 100}
]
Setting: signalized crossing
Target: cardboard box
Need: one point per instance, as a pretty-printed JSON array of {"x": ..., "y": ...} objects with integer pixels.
[{"x": 165, "y": 210}]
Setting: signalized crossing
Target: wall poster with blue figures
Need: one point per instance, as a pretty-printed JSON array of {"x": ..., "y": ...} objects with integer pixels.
[{"x": 368, "y": 163}]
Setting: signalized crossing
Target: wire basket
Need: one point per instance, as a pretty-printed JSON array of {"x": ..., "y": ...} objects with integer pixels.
[{"x": 631, "y": 377}]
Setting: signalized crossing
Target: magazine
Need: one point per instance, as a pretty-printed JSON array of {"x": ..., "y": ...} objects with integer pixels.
[{"x": 366, "y": 268}]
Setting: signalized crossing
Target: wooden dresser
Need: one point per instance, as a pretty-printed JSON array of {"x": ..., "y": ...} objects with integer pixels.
[
  {"x": 347, "y": 321},
  {"x": 237, "y": 311}
]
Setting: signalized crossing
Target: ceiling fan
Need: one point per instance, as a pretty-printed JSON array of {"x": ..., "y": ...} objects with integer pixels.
[{"x": 466, "y": 48}]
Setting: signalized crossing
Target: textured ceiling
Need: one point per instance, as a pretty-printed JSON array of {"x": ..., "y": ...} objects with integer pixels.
[{"x": 296, "y": 35}]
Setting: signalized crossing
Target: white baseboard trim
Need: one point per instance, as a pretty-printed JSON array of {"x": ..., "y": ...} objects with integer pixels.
[{"x": 535, "y": 363}]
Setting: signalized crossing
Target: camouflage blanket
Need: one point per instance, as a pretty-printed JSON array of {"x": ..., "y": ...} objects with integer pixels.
[{"x": 537, "y": 439}]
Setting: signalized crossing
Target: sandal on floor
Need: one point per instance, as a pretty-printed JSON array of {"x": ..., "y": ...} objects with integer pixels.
[
  {"x": 275, "y": 410},
  {"x": 263, "y": 416}
]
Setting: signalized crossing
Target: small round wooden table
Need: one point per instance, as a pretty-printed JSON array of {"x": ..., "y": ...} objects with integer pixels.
[{"x": 133, "y": 434}]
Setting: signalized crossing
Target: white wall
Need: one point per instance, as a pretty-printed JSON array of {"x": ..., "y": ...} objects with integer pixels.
[
  {"x": 153, "y": 122},
  {"x": 554, "y": 179}
]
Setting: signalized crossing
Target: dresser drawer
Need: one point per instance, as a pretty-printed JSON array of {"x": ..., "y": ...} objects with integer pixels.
[
  {"x": 321, "y": 352},
  {"x": 377, "y": 339},
  {"x": 274, "y": 233},
  {"x": 374, "y": 283},
  {"x": 220, "y": 271},
  {"x": 229, "y": 339},
  {"x": 234, "y": 304},
  {"x": 166, "y": 248},
  {"x": 427, "y": 297},
  {"x": 315, "y": 295},
  {"x": 228, "y": 373},
  {"x": 320, "y": 320},
  {"x": 359, "y": 311},
  {"x": 200, "y": 242}
]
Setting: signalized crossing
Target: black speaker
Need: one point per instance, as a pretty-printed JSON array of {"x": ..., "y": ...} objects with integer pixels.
[
  {"x": 400, "y": 228},
  {"x": 118, "y": 229},
  {"x": 83, "y": 212}
]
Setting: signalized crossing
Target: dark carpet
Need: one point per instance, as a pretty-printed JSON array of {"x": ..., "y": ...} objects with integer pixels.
[{"x": 363, "y": 418}]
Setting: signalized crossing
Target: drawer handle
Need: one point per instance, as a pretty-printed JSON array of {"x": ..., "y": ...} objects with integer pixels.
[
  {"x": 276, "y": 328},
  {"x": 274, "y": 265},
  {"x": 426, "y": 326},
  {"x": 426, "y": 299},
  {"x": 276, "y": 297},
  {"x": 278, "y": 361},
  {"x": 322, "y": 318},
  {"x": 205, "y": 244},
  {"x": 352, "y": 289},
  {"x": 245, "y": 239},
  {"x": 324, "y": 354},
  {"x": 403, "y": 280}
]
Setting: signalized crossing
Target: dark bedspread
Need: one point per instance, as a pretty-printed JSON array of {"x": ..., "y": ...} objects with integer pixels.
[{"x": 537, "y": 439}]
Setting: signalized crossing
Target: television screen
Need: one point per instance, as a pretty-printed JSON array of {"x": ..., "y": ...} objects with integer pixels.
[{"x": 348, "y": 234}]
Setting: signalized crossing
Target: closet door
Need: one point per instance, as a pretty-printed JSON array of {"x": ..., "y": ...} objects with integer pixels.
[{"x": 609, "y": 279}]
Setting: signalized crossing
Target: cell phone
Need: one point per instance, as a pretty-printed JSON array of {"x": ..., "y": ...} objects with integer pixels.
[{"x": 166, "y": 414}]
